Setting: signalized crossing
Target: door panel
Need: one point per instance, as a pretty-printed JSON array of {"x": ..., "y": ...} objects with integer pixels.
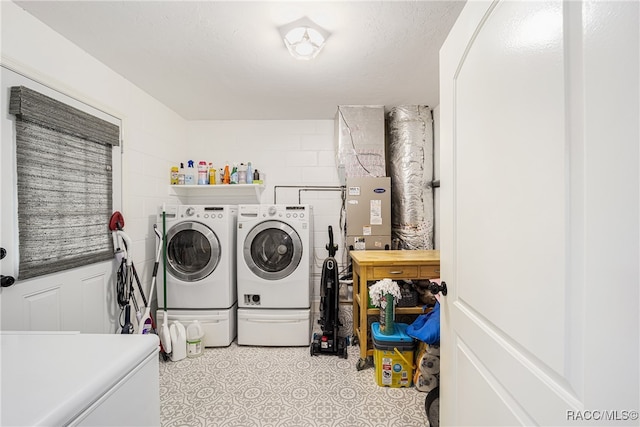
[
  {"x": 477, "y": 386},
  {"x": 510, "y": 149},
  {"x": 539, "y": 106},
  {"x": 42, "y": 310},
  {"x": 82, "y": 299}
]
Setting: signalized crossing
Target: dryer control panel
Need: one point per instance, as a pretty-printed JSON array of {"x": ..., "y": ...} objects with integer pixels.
[{"x": 288, "y": 212}]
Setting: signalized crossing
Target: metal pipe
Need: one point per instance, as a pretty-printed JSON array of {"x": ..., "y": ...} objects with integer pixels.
[
  {"x": 317, "y": 189},
  {"x": 275, "y": 188}
]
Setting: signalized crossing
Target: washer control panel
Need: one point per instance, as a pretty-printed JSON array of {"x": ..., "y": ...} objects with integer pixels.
[{"x": 205, "y": 212}]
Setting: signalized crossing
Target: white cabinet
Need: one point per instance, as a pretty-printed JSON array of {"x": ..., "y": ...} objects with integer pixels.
[{"x": 73, "y": 379}]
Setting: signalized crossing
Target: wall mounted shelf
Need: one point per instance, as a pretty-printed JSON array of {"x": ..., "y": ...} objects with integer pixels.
[{"x": 218, "y": 194}]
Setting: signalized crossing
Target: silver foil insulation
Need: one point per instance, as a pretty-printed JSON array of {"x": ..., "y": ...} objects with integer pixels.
[
  {"x": 360, "y": 142},
  {"x": 410, "y": 130}
]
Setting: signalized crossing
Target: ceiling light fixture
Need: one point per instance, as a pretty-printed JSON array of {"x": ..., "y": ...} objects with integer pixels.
[{"x": 304, "y": 38}]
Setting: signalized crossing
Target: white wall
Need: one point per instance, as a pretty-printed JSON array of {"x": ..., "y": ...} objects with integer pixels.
[{"x": 152, "y": 133}]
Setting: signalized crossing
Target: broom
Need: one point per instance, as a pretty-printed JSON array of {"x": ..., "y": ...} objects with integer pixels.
[{"x": 165, "y": 336}]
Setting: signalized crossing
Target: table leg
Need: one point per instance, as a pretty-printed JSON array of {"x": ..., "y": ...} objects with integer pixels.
[
  {"x": 356, "y": 307},
  {"x": 364, "y": 324}
]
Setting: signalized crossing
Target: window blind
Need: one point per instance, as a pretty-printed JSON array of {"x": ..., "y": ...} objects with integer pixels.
[{"x": 64, "y": 180}]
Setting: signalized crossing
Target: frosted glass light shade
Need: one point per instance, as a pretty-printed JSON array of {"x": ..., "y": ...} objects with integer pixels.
[{"x": 303, "y": 38}]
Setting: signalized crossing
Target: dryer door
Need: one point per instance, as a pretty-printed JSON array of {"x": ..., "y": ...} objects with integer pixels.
[
  {"x": 272, "y": 250},
  {"x": 193, "y": 251}
]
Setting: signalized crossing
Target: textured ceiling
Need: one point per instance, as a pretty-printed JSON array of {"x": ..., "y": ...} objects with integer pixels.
[{"x": 210, "y": 60}]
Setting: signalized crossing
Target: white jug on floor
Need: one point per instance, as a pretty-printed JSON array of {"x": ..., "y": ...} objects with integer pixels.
[
  {"x": 195, "y": 333},
  {"x": 178, "y": 341}
]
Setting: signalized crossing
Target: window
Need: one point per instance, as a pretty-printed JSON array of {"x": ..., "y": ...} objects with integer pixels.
[{"x": 64, "y": 182}]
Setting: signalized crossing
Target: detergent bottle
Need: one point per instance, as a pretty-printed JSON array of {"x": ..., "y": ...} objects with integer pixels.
[
  {"x": 203, "y": 173},
  {"x": 212, "y": 174},
  {"x": 178, "y": 341},
  {"x": 194, "y": 339},
  {"x": 174, "y": 175},
  {"x": 242, "y": 174}
]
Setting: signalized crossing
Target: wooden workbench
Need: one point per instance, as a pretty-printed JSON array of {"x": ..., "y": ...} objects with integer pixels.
[{"x": 376, "y": 265}]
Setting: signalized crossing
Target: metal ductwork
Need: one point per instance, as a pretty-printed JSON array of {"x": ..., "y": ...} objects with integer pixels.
[{"x": 410, "y": 130}]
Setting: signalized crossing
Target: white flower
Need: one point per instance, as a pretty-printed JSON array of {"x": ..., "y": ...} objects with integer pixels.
[{"x": 378, "y": 290}]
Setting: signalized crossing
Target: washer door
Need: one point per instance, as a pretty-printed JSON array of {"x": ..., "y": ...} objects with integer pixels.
[
  {"x": 272, "y": 250},
  {"x": 193, "y": 251}
]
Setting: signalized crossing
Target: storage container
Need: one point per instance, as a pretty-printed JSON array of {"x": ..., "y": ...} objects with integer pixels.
[{"x": 393, "y": 356}]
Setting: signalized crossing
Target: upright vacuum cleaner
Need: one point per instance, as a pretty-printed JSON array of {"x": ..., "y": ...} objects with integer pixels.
[{"x": 329, "y": 342}]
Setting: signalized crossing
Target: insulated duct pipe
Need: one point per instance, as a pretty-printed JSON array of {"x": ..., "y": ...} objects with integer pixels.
[{"x": 411, "y": 171}]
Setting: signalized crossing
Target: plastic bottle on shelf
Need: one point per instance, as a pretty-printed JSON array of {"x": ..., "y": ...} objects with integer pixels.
[
  {"x": 190, "y": 176},
  {"x": 195, "y": 333},
  {"x": 234, "y": 174},
  {"x": 249, "y": 173},
  {"x": 181, "y": 174},
  {"x": 212, "y": 174},
  {"x": 203, "y": 173},
  {"x": 226, "y": 174},
  {"x": 174, "y": 175},
  {"x": 242, "y": 174}
]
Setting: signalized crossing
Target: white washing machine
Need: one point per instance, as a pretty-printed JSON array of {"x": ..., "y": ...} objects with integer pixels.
[
  {"x": 201, "y": 266},
  {"x": 274, "y": 265}
]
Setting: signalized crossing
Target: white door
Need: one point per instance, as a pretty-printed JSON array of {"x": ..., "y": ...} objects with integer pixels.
[
  {"x": 82, "y": 299},
  {"x": 540, "y": 214}
]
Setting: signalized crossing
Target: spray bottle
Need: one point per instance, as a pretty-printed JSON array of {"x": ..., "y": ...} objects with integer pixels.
[
  {"x": 181, "y": 174},
  {"x": 190, "y": 177}
]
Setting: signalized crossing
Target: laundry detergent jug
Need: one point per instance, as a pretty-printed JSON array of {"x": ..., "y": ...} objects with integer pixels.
[
  {"x": 195, "y": 333},
  {"x": 178, "y": 341}
]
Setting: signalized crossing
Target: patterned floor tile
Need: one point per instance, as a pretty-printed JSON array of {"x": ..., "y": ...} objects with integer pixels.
[{"x": 247, "y": 386}]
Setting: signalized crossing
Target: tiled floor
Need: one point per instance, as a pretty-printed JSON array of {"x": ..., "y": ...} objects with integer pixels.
[{"x": 281, "y": 386}]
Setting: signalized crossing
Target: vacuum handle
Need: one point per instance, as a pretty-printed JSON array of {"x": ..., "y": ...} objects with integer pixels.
[{"x": 331, "y": 247}]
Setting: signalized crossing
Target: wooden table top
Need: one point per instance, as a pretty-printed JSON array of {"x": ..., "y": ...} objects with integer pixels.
[{"x": 405, "y": 257}]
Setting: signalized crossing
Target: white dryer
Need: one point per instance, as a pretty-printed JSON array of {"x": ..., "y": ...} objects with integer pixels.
[
  {"x": 201, "y": 268},
  {"x": 274, "y": 265}
]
